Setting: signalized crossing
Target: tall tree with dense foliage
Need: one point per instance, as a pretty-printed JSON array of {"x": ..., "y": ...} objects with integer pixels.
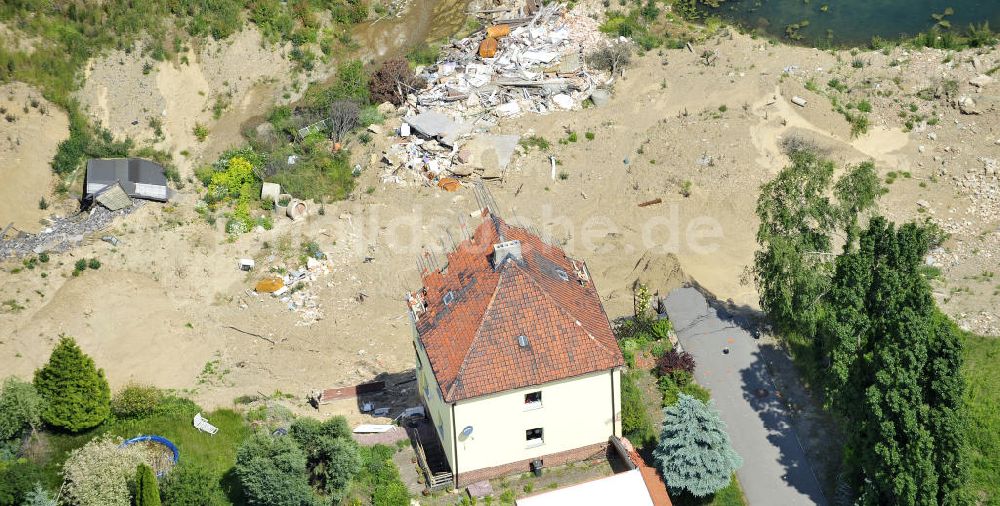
[
  {"x": 799, "y": 223},
  {"x": 694, "y": 453},
  {"x": 76, "y": 394},
  {"x": 272, "y": 471},
  {"x": 895, "y": 371},
  {"x": 147, "y": 492},
  {"x": 20, "y": 408}
]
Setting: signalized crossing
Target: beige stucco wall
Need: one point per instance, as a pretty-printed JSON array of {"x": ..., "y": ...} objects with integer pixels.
[
  {"x": 439, "y": 410},
  {"x": 575, "y": 412}
]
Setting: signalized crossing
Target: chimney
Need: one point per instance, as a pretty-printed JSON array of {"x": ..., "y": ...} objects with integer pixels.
[{"x": 504, "y": 250}]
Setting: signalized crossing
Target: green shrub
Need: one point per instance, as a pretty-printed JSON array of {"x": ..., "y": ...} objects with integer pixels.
[
  {"x": 636, "y": 423},
  {"x": 272, "y": 470},
  {"x": 17, "y": 480},
  {"x": 135, "y": 401},
  {"x": 76, "y": 394},
  {"x": 94, "y": 264},
  {"x": 20, "y": 408},
  {"x": 192, "y": 485},
  {"x": 80, "y": 265},
  {"x": 147, "y": 492},
  {"x": 43, "y": 257}
]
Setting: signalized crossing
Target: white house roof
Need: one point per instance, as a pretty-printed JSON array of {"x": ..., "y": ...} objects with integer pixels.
[{"x": 619, "y": 489}]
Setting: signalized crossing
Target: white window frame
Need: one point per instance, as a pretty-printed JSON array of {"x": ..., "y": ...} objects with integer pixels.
[
  {"x": 536, "y": 442},
  {"x": 529, "y": 406}
]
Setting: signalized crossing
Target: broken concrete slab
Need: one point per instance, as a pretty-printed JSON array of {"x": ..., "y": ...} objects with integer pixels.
[
  {"x": 436, "y": 125},
  {"x": 490, "y": 154}
]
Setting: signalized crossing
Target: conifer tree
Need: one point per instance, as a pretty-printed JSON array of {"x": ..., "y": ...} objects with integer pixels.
[
  {"x": 694, "y": 453},
  {"x": 147, "y": 493},
  {"x": 76, "y": 394}
]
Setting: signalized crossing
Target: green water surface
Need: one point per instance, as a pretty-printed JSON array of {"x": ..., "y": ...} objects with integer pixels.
[{"x": 855, "y": 22}]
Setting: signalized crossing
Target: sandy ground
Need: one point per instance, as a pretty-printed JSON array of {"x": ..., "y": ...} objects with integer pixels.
[
  {"x": 160, "y": 308},
  {"x": 30, "y": 130}
]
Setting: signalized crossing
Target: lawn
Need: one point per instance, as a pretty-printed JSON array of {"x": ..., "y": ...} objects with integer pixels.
[
  {"x": 982, "y": 356},
  {"x": 172, "y": 420},
  {"x": 214, "y": 452}
]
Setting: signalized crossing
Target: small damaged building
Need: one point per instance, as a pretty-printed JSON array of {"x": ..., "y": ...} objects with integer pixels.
[
  {"x": 517, "y": 365},
  {"x": 137, "y": 177}
]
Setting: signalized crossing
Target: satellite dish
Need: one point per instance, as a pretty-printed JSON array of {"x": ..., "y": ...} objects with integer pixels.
[{"x": 466, "y": 432}]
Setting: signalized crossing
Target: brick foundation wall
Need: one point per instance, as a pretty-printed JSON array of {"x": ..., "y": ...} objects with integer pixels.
[{"x": 523, "y": 466}]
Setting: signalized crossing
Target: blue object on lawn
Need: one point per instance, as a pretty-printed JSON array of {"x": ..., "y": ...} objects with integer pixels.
[{"x": 157, "y": 439}]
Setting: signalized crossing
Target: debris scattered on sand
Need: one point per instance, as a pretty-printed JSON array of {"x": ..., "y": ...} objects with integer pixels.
[{"x": 63, "y": 233}]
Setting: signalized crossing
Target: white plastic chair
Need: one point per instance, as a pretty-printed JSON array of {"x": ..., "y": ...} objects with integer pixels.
[{"x": 202, "y": 424}]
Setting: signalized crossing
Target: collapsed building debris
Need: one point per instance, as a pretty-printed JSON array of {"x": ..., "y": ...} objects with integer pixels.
[
  {"x": 529, "y": 64},
  {"x": 63, "y": 233}
]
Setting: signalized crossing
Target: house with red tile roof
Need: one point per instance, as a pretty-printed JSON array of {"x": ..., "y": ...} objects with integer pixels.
[{"x": 517, "y": 365}]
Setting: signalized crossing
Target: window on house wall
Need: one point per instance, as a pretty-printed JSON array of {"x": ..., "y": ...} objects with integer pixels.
[
  {"x": 532, "y": 400},
  {"x": 533, "y": 437}
]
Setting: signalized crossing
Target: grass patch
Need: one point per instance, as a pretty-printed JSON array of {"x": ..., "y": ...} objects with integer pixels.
[
  {"x": 982, "y": 397},
  {"x": 172, "y": 419}
]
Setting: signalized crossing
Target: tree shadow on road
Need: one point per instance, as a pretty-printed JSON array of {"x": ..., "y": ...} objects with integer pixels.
[{"x": 773, "y": 387}]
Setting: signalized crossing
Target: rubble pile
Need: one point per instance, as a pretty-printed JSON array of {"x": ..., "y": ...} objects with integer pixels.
[
  {"x": 538, "y": 67},
  {"x": 294, "y": 289},
  {"x": 534, "y": 63},
  {"x": 63, "y": 233}
]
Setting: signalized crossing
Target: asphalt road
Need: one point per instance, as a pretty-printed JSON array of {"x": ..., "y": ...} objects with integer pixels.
[{"x": 775, "y": 469}]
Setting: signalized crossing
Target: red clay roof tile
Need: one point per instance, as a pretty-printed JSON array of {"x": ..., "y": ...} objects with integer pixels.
[{"x": 472, "y": 341}]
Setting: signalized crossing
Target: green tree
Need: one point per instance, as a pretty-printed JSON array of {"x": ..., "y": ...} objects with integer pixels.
[
  {"x": 147, "y": 492},
  {"x": 694, "y": 453},
  {"x": 798, "y": 224},
  {"x": 76, "y": 394},
  {"x": 20, "y": 407},
  {"x": 272, "y": 471},
  {"x": 894, "y": 364},
  {"x": 332, "y": 455}
]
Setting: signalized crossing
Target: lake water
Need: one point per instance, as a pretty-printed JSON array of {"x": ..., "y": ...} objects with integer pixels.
[{"x": 854, "y": 22}]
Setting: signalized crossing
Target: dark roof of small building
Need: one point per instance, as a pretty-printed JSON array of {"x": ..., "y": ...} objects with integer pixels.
[
  {"x": 139, "y": 177},
  {"x": 528, "y": 321}
]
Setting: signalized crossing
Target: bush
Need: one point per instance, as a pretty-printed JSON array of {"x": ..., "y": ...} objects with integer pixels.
[
  {"x": 381, "y": 477},
  {"x": 94, "y": 264},
  {"x": 636, "y": 423},
  {"x": 20, "y": 408},
  {"x": 98, "y": 474},
  {"x": 351, "y": 84},
  {"x": 192, "y": 485},
  {"x": 146, "y": 491},
  {"x": 200, "y": 132},
  {"x": 343, "y": 118},
  {"x": 17, "y": 480},
  {"x": 674, "y": 362},
  {"x": 272, "y": 471},
  {"x": 393, "y": 81},
  {"x": 76, "y": 394},
  {"x": 135, "y": 401},
  {"x": 611, "y": 58},
  {"x": 332, "y": 456}
]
